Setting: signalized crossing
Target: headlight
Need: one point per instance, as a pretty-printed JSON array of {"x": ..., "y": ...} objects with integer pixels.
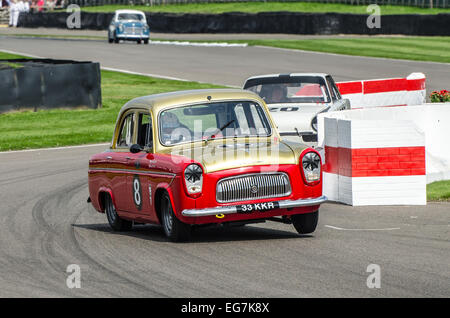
[
  {"x": 120, "y": 28},
  {"x": 193, "y": 176},
  {"x": 311, "y": 166}
]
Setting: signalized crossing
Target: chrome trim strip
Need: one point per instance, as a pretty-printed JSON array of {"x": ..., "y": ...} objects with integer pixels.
[
  {"x": 134, "y": 171},
  {"x": 285, "y": 204}
]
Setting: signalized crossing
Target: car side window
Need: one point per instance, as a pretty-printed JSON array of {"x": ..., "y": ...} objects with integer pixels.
[
  {"x": 126, "y": 132},
  {"x": 144, "y": 132}
]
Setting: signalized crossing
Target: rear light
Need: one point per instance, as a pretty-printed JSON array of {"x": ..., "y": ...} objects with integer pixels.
[{"x": 311, "y": 166}]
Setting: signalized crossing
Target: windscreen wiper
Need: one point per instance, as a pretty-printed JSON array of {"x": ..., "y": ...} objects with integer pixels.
[{"x": 219, "y": 130}]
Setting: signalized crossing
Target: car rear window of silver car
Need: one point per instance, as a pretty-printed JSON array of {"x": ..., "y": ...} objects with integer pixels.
[{"x": 298, "y": 89}]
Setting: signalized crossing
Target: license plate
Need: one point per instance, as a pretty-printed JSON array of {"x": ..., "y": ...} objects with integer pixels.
[{"x": 257, "y": 207}]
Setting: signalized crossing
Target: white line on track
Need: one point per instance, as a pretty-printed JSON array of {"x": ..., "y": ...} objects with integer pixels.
[
  {"x": 207, "y": 44},
  {"x": 54, "y": 148},
  {"x": 342, "y": 229}
]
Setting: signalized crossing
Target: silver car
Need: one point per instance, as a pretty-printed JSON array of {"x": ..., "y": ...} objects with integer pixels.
[{"x": 296, "y": 99}]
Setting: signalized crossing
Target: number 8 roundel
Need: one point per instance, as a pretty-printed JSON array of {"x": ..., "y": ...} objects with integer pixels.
[{"x": 137, "y": 192}]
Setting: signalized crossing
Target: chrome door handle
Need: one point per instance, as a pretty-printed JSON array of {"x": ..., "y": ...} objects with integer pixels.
[{"x": 109, "y": 157}]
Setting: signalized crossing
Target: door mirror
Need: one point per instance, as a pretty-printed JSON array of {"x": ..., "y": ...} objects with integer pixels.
[{"x": 135, "y": 148}]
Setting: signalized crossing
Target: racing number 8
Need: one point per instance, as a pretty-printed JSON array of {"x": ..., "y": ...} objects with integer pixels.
[{"x": 137, "y": 192}]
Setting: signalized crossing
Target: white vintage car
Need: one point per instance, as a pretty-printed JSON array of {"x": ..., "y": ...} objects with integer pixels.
[{"x": 296, "y": 99}]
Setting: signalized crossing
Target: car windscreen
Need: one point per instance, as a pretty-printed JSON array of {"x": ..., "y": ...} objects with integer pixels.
[
  {"x": 130, "y": 16},
  {"x": 290, "y": 89},
  {"x": 212, "y": 121}
]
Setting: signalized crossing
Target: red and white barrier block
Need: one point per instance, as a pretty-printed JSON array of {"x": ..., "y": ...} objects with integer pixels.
[
  {"x": 385, "y": 92},
  {"x": 374, "y": 162}
]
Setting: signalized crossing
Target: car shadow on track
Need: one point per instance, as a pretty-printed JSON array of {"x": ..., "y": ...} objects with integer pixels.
[{"x": 200, "y": 235}]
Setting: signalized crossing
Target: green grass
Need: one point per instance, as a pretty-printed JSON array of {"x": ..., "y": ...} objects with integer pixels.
[
  {"x": 434, "y": 49},
  {"x": 438, "y": 191},
  {"x": 53, "y": 128},
  {"x": 254, "y": 7}
]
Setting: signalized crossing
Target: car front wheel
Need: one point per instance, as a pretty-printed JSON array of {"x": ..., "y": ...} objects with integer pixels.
[
  {"x": 174, "y": 229},
  {"x": 305, "y": 223},
  {"x": 116, "y": 223}
]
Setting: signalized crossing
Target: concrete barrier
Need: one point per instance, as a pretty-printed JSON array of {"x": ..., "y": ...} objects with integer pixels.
[
  {"x": 410, "y": 90},
  {"x": 385, "y": 156}
]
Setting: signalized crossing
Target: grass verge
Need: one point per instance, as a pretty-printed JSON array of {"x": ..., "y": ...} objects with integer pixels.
[
  {"x": 54, "y": 128},
  {"x": 255, "y": 7},
  {"x": 438, "y": 191},
  {"x": 433, "y": 49}
]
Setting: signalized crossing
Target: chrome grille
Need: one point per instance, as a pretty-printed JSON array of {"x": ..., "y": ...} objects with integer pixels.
[
  {"x": 133, "y": 30},
  {"x": 253, "y": 187}
]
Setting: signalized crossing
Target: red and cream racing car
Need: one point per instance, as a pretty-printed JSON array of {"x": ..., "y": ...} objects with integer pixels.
[{"x": 199, "y": 157}]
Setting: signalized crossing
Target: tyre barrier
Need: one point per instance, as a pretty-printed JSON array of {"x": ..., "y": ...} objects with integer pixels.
[
  {"x": 33, "y": 84},
  {"x": 264, "y": 22}
]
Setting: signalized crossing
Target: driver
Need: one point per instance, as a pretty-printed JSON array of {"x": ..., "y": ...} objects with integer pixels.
[
  {"x": 278, "y": 94},
  {"x": 171, "y": 128}
]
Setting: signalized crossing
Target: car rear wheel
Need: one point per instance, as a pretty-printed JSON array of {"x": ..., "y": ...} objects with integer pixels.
[
  {"x": 305, "y": 223},
  {"x": 174, "y": 229},
  {"x": 116, "y": 223},
  {"x": 145, "y": 41},
  {"x": 139, "y": 41}
]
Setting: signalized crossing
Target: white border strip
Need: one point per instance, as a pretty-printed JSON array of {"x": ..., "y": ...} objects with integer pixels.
[
  {"x": 207, "y": 44},
  {"x": 342, "y": 229}
]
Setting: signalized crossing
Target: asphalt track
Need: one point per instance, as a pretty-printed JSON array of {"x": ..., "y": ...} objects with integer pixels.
[
  {"x": 225, "y": 65},
  {"x": 46, "y": 224}
]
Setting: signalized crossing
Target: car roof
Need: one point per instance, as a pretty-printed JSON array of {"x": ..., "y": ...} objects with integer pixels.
[
  {"x": 157, "y": 102},
  {"x": 128, "y": 11}
]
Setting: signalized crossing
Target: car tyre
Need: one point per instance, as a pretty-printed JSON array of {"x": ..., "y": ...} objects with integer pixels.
[
  {"x": 174, "y": 229},
  {"x": 139, "y": 41},
  {"x": 116, "y": 39},
  {"x": 145, "y": 41},
  {"x": 116, "y": 223},
  {"x": 305, "y": 223}
]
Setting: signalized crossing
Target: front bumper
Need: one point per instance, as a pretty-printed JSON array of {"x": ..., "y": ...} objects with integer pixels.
[
  {"x": 132, "y": 36},
  {"x": 286, "y": 204}
]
